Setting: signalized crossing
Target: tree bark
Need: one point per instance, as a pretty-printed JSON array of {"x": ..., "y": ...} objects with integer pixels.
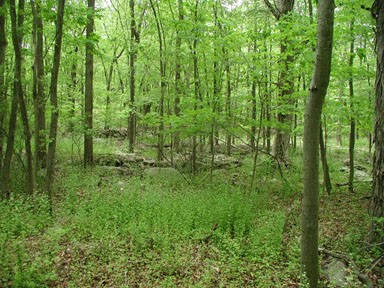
[
  {"x": 323, "y": 152},
  {"x": 163, "y": 84},
  {"x": 38, "y": 87},
  {"x": 17, "y": 39},
  {"x": 51, "y": 155},
  {"x": 377, "y": 203},
  {"x": 72, "y": 89},
  {"x": 352, "y": 132},
  {"x": 317, "y": 92},
  {"x": 135, "y": 39},
  {"x": 282, "y": 136},
  {"x": 88, "y": 108},
  {"x": 3, "y": 94},
  {"x": 16, "y": 21},
  {"x": 178, "y": 91}
]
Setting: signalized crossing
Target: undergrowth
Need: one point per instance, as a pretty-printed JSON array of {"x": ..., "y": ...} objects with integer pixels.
[{"x": 121, "y": 231}]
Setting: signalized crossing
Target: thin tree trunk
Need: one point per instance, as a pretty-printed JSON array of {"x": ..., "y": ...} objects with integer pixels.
[
  {"x": 352, "y": 133},
  {"x": 3, "y": 94},
  {"x": 323, "y": 152},
  {"x": 312, "y": 120},
  {"x": 72, "y": 90},
  {"x": 163, "y": 84},
  {"x": 17, "y": 39},
  {"x": 253, "y": 115},
  {"x": 51, "y": 155},
  {"x": 178, "y": 92},
  {"x": 88, "y": 108},
  {"x": 228, "y": 102},
  {"x": 134, "y": 39},
  {"x": 196, "y": 81},
  {"x": 16, "y": 21}
]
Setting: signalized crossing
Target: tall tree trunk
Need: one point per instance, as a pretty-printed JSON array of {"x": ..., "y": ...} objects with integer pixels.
[
  {"x": 352, "y": 132},
  {"x": 163, "y": 84},
  {"x": 178, "y": 92},
  {"x": 17, "y": 39},
  {"x": 88, "y": 108},
  {"x": 281, "y": 141},
  {"x": 228, "y": 109},
  {"x": 317, "y": 92},
  {"x": 3, "y": 94},
  {"x": 51, "y": 155},
  {"x": 16, "y": 21},
  {"x": 196, "y": 81},
  {"x": 253, "y": 114},
  {"x": 377, "y": 203},
  {"x": 135, "y": 39},
  {"x": 38, "y": 87}
]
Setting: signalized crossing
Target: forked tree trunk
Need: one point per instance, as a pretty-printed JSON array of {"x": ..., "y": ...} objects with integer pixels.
[
  {"x": 377, "y": 203},
  {"x": 312, "y": 120},
  {"x": 54, "y": 103},
  {"x": 88, "y": 108}
]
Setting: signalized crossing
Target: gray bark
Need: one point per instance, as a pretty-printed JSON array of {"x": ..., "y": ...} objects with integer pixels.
[{"x": 317, "y": 92}]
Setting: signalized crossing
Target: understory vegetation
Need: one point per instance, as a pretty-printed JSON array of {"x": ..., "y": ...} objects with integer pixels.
[{"x": 179, "y": 230}]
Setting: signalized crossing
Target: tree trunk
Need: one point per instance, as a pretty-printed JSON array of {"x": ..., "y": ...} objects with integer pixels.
[
  {"x": 377, "y": 203},
  {"x": 17, "y": 39},
  {"x": 16, "y": 21},
  {"x": 3, "y": 94},
  {"x": 312, "y": 119},
  {"x": 163, "y": 84},
  {"x": 253, "y": 114},
  {"x": 72, "y": 89},
  {"x": 54, "y": 103},
  {"x": 38, "y": 87},
  {"x": 88, "y": 109},
  {"x": 178, "y": 92},
  {"x": 132, "y": 88},
  {"x": 281, "y": 141},
  {"x": 352, "y": 123},
  {"x": 228, "y": 102},
  {"x": 196, "y": 81},
  {"x": 323, "y": 152}
]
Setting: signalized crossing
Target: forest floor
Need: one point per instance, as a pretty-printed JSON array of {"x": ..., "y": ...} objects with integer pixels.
[{"x": 176, "y": 230}]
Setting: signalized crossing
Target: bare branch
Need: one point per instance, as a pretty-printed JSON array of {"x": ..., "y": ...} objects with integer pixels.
[{"x": 273, "y": 9}]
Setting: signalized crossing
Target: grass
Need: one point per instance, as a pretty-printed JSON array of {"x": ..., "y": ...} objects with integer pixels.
[{"x": 147, "y": 232}]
